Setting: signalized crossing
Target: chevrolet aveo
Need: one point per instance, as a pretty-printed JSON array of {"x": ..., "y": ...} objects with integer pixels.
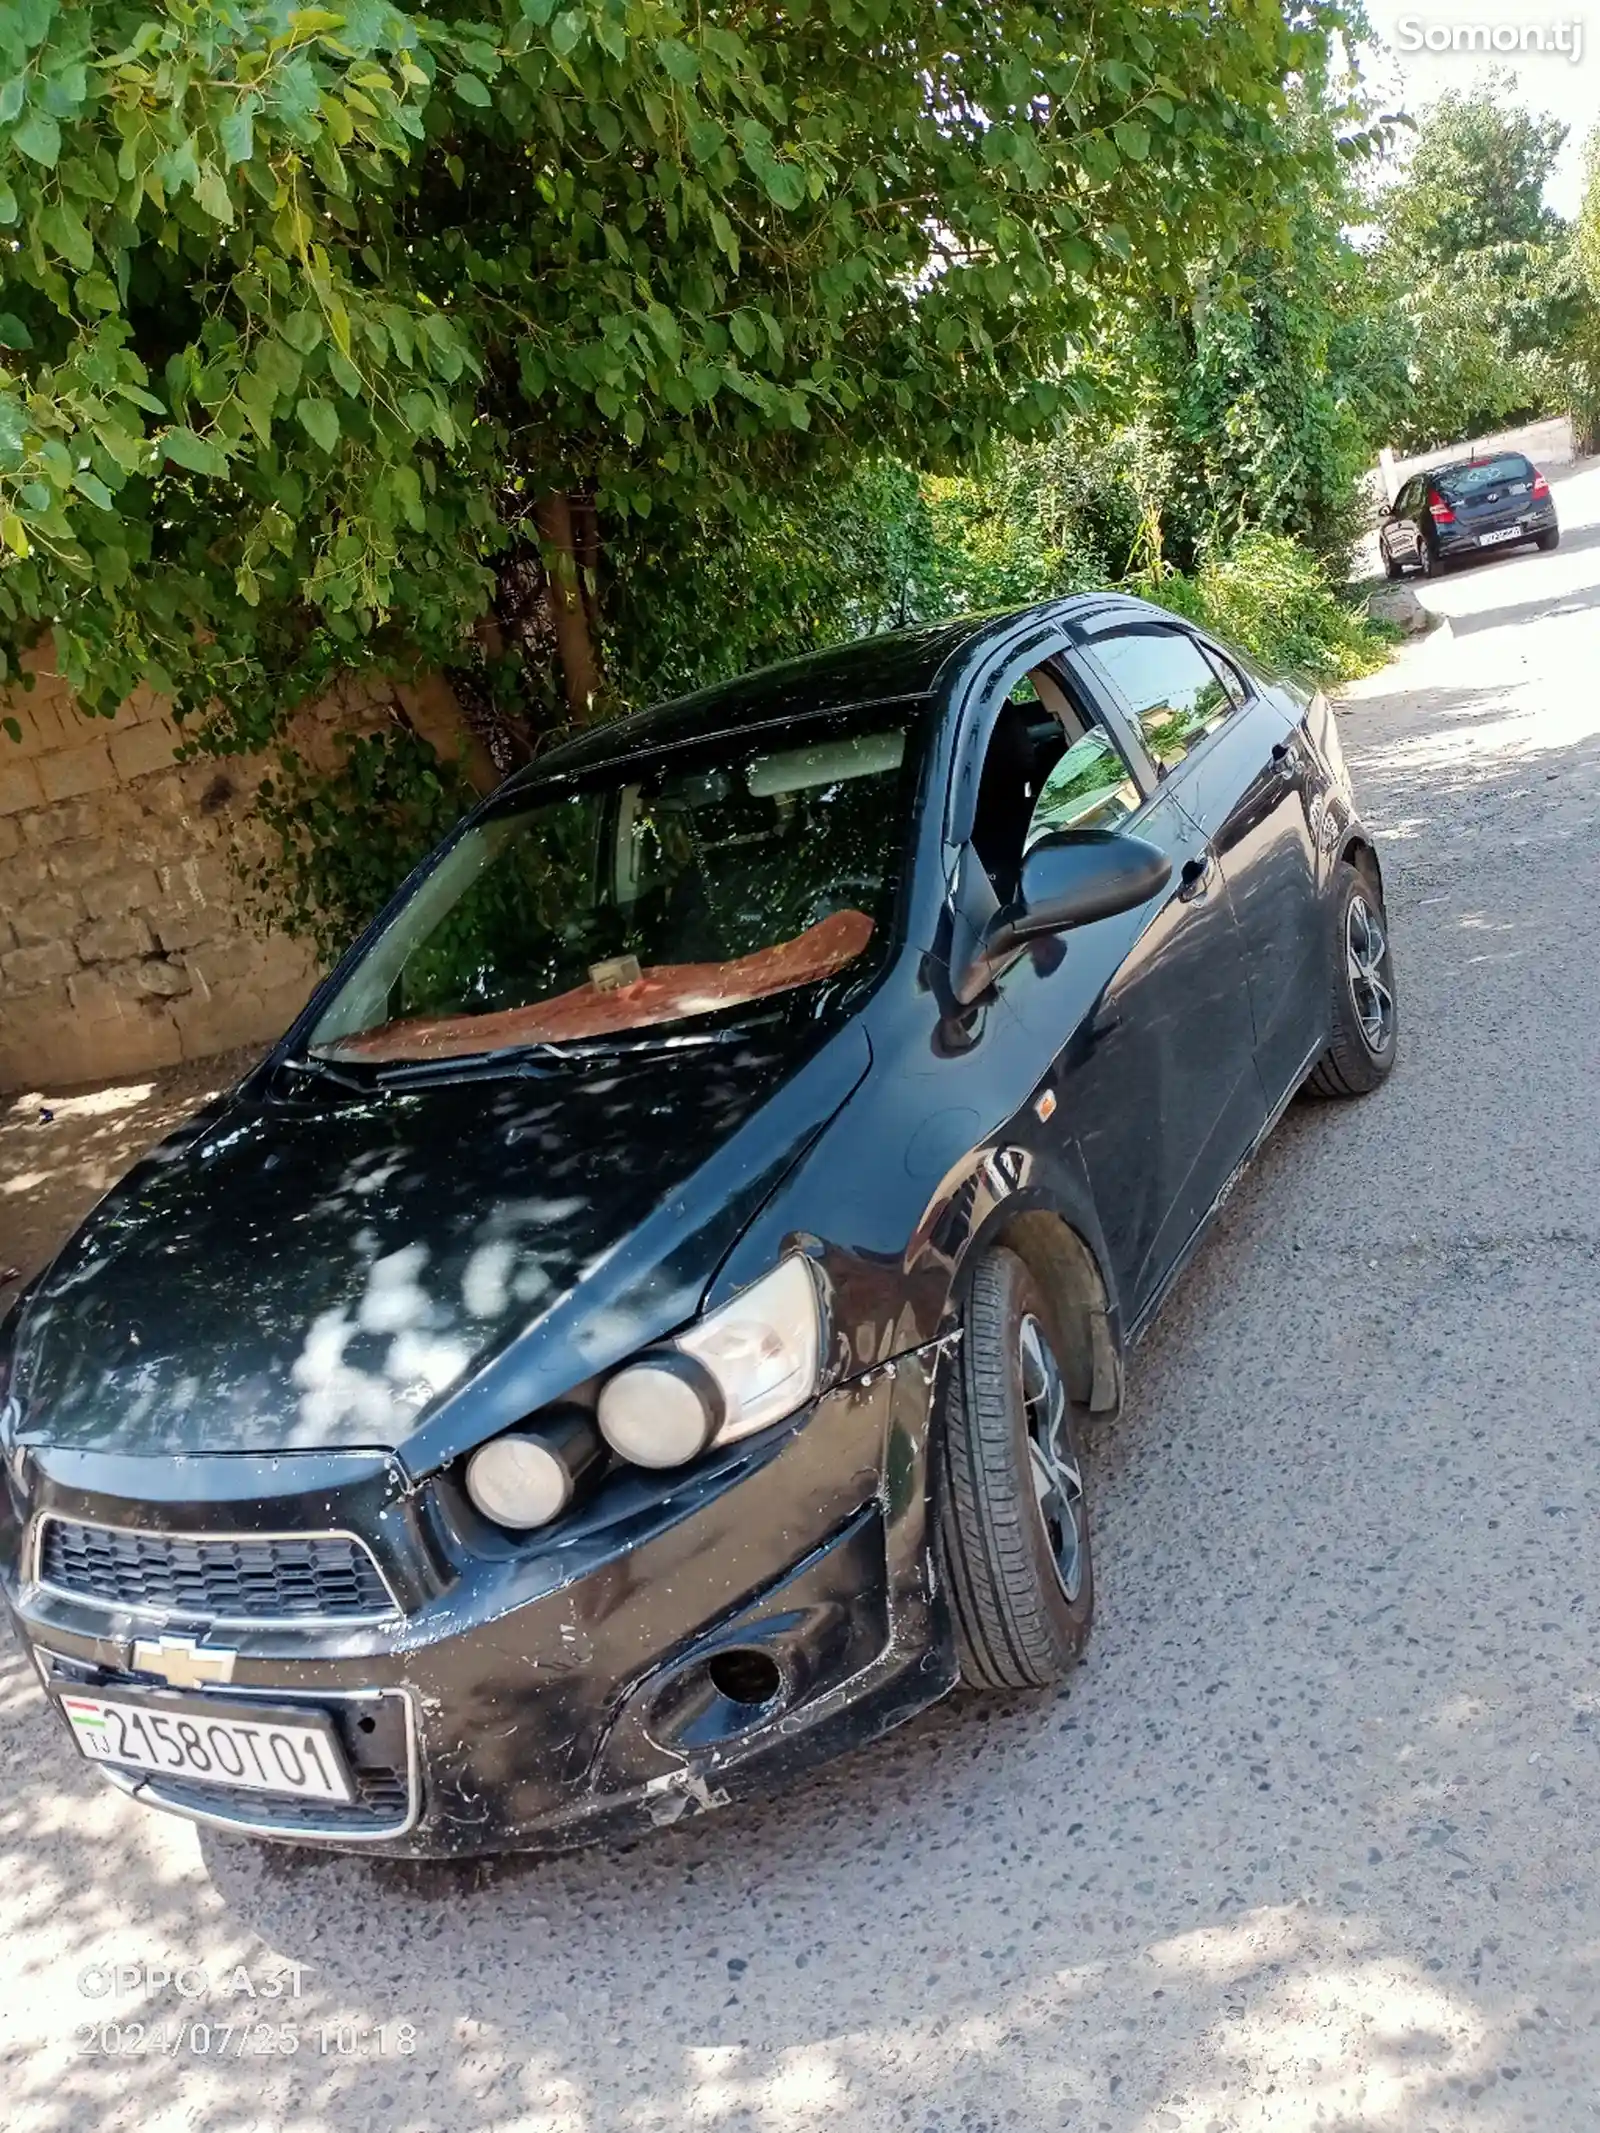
[{"x": 632, "y": 1338}]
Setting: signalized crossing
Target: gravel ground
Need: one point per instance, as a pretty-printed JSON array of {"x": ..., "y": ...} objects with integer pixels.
[{"x": 1310, "y": 1843}]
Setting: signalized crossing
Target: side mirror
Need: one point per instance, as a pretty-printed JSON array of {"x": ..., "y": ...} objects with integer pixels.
[{"x": 1070, "y": 878}]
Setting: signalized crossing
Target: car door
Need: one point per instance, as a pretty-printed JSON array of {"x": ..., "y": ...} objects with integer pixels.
[
  {"x": 1406, "y": 540},
  {"x": 1232, "y": 754},
  {"x": 1394, "y": 536},
  {"x": 1143, "y": 1018}
]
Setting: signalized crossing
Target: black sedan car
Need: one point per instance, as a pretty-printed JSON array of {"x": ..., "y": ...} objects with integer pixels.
[
  {"x": 633, "y": 1337},
  {"x": 1472, "y": 508}
]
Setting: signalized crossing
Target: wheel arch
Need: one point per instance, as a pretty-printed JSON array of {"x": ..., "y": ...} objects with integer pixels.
[
  {"x": 1360, "y": 852},
  {"x": 1073, "y": 1286}
]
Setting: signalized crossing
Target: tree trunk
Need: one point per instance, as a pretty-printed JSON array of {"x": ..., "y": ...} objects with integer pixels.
[{"x": 569, "y": 609}]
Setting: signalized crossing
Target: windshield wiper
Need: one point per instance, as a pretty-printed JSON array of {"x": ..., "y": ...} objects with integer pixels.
[
  {"x": 515, "y": 1060},
  {"x": 512, "y": 1061},
  {"x": 325, "y": 1070}
]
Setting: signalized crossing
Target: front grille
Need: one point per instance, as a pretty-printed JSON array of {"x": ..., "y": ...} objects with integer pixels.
[
  {"x": 383, "y": 1805},
  {"x": 288, "y": 1578}
]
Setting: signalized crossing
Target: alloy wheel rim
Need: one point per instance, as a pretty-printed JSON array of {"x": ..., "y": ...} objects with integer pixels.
[
  {"x": 1057, "y": 1477},
  {"x": 1366, "y": 951}
]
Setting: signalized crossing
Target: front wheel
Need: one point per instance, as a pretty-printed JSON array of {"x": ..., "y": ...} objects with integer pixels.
[
  {"x": 1362, "y": 994},
  {"x": 1012, "y": 1536}
]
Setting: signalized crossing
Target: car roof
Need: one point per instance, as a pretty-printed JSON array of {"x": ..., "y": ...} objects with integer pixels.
[{"x": 899, "y": 666}]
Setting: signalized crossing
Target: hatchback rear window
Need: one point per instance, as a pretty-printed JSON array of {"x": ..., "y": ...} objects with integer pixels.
[{"x": 1462, "y": 484}]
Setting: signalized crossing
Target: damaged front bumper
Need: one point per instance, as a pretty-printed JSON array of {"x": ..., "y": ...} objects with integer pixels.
[{"x": 691, "y": 1639}]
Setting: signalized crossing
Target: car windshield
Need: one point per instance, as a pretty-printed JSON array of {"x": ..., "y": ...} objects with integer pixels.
[
  {"x": 644, "y": 896},
  {"x": 1463, "y": 484}
]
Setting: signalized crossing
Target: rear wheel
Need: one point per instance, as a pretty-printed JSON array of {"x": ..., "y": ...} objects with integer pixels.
[
  {"x": 1429, "y": 561},
  {"x": 1362, "y": 1006},
  {"x": 1013, "y": 1526},
  {"x": 1391, "y": 569},
  {"x": 1550, "y": 540}
]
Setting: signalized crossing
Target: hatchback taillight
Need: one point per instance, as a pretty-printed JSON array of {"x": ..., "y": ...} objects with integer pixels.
[
  {"x": 1540, "y": 486},
  {"x": 1442, "y": 513}
]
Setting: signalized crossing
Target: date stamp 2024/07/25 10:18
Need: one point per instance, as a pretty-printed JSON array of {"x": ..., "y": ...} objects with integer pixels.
[{"x": 233, "y": 2013}]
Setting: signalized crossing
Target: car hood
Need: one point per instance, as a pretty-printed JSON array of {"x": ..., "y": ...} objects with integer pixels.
[{"x": 411, "y": 1271}]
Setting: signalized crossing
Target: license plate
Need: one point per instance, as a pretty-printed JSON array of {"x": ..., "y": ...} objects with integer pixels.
[
  {"x": 292, "y": 1754},
  {"x": 1506, "y": 533}
]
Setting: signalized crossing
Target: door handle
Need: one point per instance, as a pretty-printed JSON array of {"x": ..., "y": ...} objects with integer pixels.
[{"x": 1195, "y": 878}]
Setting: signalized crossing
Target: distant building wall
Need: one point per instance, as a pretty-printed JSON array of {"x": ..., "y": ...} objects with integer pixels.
[{"x": 126, "y": 942}]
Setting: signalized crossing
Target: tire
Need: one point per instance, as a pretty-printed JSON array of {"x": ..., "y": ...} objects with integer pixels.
[
  {"x": 1391, "y": 569},
  {"x": 1550, "y": 540},
  {"x": 1020, "y": 1619},
  {"x": 1430, "y": 563},
  {"x": 1365, "y": 1031}
]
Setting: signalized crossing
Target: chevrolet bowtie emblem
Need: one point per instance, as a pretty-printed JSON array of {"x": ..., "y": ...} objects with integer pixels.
[{"x": 182, "y": 1662}]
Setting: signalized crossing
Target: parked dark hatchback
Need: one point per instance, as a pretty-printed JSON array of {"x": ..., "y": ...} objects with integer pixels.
[
  {"x": 632, "y": 1337},
  {"x": 1471, "y": 508}
]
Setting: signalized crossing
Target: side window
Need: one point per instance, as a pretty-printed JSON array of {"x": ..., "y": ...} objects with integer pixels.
[
  {"x": 1228, "y": 674},
  {"x": 1170, "y": 686},
  {"x": 1027, "y": 740},
  {"x": 1090, "y": 788},
  {"x": 1048, "y": 767}
]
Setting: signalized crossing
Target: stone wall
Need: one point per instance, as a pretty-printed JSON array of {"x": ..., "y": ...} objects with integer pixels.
[{"x": 126, "y": 942}]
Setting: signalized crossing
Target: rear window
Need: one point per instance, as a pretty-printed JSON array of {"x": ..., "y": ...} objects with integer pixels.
[{"x": 1461, "y": 484}]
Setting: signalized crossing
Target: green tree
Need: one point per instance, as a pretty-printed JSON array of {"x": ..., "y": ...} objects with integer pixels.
[
  {"x": 1475, "y": 178},
  {"x": 1472, "y": 260},
  {"x": 342, "y": 338},
  {"x": 1584, "y": 277}
]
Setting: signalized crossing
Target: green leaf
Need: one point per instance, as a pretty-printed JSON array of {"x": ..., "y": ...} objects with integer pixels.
[
  {"x": 1132, "y": 138},
  {"x": 705, "y": 136},
  {"x": 13, "y": 333},
  {"x": 666, "y": 330},
  {"x": 785, "y": 184},
  {"x": 746, "y": 330},
  {"x": 99, "y": 292},
  {"x": 320, "y": 421},
  {"x": 472, "y": 91},
  {"x": 15, "y": 536},
  {"x": 678, "y": 60},
  {"x": 198, "y": 454},
  {"x": 11, "y": 727},
  {"x": 566, "y": 30},
  {"x": 212, "y": 194},
  {"x": 62, "y": 228},
  {"x": 237, "y": 132},
  {"x": 8, "y": 205},
  {"x": 303, "y": 331},
  {"x": 91, "y": 486},
  {"x": 39, "y": 137}
]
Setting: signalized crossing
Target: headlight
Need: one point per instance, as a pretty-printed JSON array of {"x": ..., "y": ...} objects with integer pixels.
[
  {"x": 736, "y": 1371},
  {"x": 523, "y": 1480}
]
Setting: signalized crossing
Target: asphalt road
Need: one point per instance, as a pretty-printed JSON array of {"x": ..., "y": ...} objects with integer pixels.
[{"x": 1311, "y": 1841}]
